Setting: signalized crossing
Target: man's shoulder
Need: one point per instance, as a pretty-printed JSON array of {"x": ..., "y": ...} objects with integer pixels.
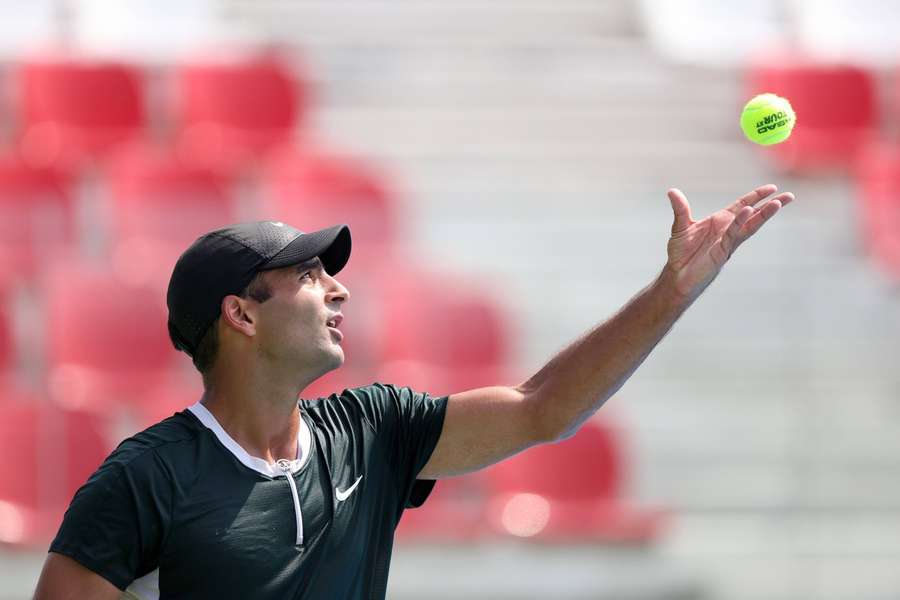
[
  {"x": 349, "y": 398},
  {"x": 348, "y": 405},
  {"x": 372, "y": 404},
  {"x": 169, "y": 435},
  {"x": 154, "y": 453}
]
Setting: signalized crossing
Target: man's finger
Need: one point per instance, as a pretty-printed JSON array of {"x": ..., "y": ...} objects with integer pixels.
[
  {"x": 763, "y": 214},
  {"x": 732, "y": 236},
  {"x": 681, "y": 209},
  {"x": 752, "y": 198},
  {"x": 785, "y": 198}
]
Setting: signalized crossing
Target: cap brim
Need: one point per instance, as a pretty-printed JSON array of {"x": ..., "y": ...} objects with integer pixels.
[{"x": 331, "y": 245}]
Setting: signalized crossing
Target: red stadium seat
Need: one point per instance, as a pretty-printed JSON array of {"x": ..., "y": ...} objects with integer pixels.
[
  {"x": 568, "y": 492},
  {"x": 454, "y": 513},
  {"x": 7, "y": 338},
  {"x": 879, "y": 195},
  {"x": 71, "y": 110},
  {"x": 160, "y": 205},
  {"x": 232, "y": 110},
  {"x": 107, "y": 341},
  {"x": 46, "y": 454},
  {"x": 312, "y": 190},
  {"x": 836, "y": 106},
  {"x": 173, "y": 395},
  {"x": 37, "y": 217},
  {"x": 440, "y": 336}
]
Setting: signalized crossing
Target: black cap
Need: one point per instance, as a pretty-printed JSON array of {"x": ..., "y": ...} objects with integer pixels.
[{"x": 224, "y": 261}]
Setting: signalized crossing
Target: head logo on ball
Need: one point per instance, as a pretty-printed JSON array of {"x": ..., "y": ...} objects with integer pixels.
[{"x": 768, "y": 119}]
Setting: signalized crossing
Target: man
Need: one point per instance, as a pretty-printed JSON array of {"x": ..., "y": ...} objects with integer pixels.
[{"x": 250, "y": 494}]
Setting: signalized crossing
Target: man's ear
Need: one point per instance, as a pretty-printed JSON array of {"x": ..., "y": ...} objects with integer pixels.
[{"x": 238, "y": 315}]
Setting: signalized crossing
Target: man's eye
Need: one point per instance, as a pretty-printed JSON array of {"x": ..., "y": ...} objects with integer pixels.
[{"x": 307, "y": 274}]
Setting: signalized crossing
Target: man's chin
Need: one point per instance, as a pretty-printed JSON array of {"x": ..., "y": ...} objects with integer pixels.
[{"x": 335, "y": 360}]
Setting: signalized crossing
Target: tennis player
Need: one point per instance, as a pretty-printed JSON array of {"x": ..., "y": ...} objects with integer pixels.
[{"x": 250, "y": 493}]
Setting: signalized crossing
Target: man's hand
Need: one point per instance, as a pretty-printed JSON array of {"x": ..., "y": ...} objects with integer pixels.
[{"x": 699, "y": 249}]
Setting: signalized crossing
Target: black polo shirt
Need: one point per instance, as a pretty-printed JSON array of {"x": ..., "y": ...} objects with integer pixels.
[{"x": 181, "y": 511}]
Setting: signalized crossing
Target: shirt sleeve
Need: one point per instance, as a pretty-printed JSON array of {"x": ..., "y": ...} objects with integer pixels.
[
  {"x": 117, "y": 521},
  {"x": 410, "y": 423}
]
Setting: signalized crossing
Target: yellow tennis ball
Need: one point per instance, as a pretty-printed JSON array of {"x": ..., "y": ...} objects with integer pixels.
[{"x": 768, "y": 119}]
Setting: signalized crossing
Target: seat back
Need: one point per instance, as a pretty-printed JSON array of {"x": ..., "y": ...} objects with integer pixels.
[
  {"x": 230, "y": 110},
  {"x": 71, "y": 110},
  {"x": 37, "y": 217},
  {"x": 878, "y": 190},
  {"x": 155, "y": 195},
  {"x": 313, "y": 190},
  {"x": 106, "y": 338},
  {"x": 587, "y": 466},
  {"x": 46, "y": 454}
]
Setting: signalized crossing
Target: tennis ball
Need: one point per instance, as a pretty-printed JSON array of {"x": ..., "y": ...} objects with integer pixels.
[{"x": 768, "y": 119}]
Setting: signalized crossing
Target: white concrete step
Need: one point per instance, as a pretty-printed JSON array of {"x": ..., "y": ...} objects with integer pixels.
[{"x": 496, "y": 23}]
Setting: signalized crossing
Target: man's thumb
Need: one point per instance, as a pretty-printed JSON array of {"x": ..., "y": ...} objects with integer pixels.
[{"x": 681, "y": 209}]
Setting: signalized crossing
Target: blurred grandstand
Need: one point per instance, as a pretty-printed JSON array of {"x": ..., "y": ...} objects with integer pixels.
[{"x": 503, "y": 167}]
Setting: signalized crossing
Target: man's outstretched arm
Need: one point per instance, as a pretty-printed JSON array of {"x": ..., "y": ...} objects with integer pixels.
[{"x": 483, "y": 426}]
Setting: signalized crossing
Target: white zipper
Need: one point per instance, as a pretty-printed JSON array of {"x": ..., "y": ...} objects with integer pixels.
[{"x": 285, "y": 466}]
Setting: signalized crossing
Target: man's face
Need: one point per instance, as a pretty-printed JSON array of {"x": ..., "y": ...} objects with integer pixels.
[{"x": 294, "y": 326}]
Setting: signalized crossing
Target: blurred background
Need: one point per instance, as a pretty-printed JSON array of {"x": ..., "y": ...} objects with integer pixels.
[{"x": 503, "y": 165}]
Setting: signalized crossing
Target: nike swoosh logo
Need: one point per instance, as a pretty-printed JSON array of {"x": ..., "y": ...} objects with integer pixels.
[{"x": 343, "y": 495}]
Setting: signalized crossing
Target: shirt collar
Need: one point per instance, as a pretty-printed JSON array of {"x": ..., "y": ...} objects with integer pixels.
[{"x": 304, "y": 443}]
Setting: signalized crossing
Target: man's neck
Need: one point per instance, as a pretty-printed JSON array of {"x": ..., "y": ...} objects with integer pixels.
[
  {"x": 257, "y": 402},
  {"x": 265, "y": 423}
]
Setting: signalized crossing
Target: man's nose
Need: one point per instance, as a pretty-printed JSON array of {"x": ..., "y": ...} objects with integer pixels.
[{"x": 337, "y": 292}]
